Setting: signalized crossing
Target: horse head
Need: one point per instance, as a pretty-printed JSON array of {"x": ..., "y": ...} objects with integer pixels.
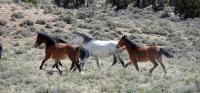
[
  {"x": 122, "y": 42},
  {"x": 44, "y": 38}
]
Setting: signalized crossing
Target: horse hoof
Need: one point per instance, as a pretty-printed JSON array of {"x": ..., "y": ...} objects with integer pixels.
[
  {"x": 60, "y": 72},
  {"x": 40, "y": 68},
  {"x": 82, "y": 73}
]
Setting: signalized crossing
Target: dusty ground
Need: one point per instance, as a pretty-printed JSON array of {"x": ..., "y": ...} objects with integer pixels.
[{"x": 19, "y": 66}]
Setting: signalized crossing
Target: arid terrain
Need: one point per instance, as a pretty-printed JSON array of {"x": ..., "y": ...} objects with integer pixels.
[{"x": 19, "y": 66}]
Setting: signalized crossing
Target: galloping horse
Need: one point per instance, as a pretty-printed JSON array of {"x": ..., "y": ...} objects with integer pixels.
[
  {"x": 148, "y": 53},
  {"x": 1, "y": 50},
  {"x": 83, "y": 55},
  {"x": 98, "y": 48},
  {"x": 58, "y": 51}
]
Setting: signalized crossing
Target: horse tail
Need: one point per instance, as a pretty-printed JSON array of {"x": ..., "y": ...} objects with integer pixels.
[
  {"x": 166, "y": 53},
  {"x": 78, "y": 49}
]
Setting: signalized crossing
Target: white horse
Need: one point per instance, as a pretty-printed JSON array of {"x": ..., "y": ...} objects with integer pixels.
[{"x": 99, "y": 49}]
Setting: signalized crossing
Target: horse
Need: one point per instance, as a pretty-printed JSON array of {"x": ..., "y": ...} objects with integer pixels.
[
  {"x": 84, "y": 53},
  {"x": 99, "y": 48},
  {"x": 143, "y": 54},
  {"x": 57, "y": 51},
  {"x": 1, "y": 50}
]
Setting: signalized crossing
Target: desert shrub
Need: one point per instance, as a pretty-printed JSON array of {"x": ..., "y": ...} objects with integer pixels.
[
  {"x": 66, "y": 19},
  {"x": 85, "y": 25},
  {"x": 59, "y": 24},
  {"x": 2, "y": 22},
  {"x": 5, "y": 31},
  {"x": 28, "y": 32},
  {"x": 41, "y": 22},
  {"x": 26, "y": 23},
  {"x": 59, "y": 33},
  {"x": 17, "y": 15},
  {"x": 48, "y": 26},
  {"x": 48, "y": 10},
  {"x": 111, "y": 25},
  {"x": 83, "y": 15},
  {"x": 162, "y": 31},
  {"x": 34, "y": 2},
  {"x": 187, "y": 8}
]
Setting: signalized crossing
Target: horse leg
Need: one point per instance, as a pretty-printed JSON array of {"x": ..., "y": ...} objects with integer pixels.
[
  {"x": 114, "y": 60},
  {"x": 60, "y": 63},
  {"x": 97, "y": 61},
  {"x": 75, "y": 66},
  {"x": 122, "y": 62},
  {"x": 82, "y": 62},
  {"x": 58, "y": 67},
  {"x": 54, "y": 65},
  {"x": 161, "y": 63},
  {"x": 46, "y": 58},
  {"x": 72, "y": 66},
  {"x": 130, "y": 62},
  {"x": 136, "y": 66},
  {"x": 155, "y": 65},
  {"x": 79, "y": 68}
]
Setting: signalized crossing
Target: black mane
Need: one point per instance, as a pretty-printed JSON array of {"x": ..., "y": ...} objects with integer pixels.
[
  {"x": 58, "y": 40},
  {"x": 86, "y": 37},
  {"x": 131, "y": 44},
  {"x": 49, "y": 40}
]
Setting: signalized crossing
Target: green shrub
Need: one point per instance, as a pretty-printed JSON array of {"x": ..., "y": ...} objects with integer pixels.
[
  {"x": 66, "y": 19},
  {"x": 17, "y": 15},
  {"x": 41, "y": 22},
  {"x": 34, "y": 2},
  {"x": 2, "y": 22},
  {"x": 26, "y": 23},
  {"x": 48, "y": 26},
  {"x": 187, "y": 8}
]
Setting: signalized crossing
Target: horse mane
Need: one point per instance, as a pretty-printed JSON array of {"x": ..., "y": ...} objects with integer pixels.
[
  {"x": 86, "y": 37},
  {"x": 50, "y": 40},
  {"x": 58, "y": 40},
  {"x": 131, "y": 44}
]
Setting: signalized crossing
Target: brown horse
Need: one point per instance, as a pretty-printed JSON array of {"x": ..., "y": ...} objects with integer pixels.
[
  {"x": 148, "y": 53},
  {"x": 58, "y": 51}
]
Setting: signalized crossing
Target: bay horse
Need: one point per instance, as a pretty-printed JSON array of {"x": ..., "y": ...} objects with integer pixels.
[
  {"x": 99, "y": 48},
  {"x": 83, "y": 55},
  {"x": 148, "y": 53},
  {"x": 58, "y": 51},
  {"x": 1, "y": 50}
]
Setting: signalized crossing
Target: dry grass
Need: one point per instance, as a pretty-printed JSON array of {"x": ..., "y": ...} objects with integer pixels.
[{"x": 19, "y": 66}]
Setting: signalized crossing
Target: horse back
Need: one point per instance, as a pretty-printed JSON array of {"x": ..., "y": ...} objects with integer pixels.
[
  {"x": 147, "y": 53},
  {"x": 58, "y": 51}
]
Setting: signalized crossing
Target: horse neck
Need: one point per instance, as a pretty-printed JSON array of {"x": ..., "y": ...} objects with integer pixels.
[
  {"x": 49, "y": 42},
  {"x": 131, "y": 46}
]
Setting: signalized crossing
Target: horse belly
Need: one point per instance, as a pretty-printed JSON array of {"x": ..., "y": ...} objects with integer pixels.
[
  {"x": 142, "y": 56},
  {"x": 100, "y": 54},
  {"x": 142, "y": 59},
  {"x": 59, "y": 54}
]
